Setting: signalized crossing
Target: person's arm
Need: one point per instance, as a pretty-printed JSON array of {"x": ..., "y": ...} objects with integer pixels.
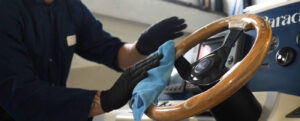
[
  {"x": 128, "y": 55},
  {"x": 96, "y": 108}
]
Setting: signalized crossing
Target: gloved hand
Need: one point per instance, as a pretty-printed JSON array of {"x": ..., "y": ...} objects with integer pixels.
[
  {"x": 121, "y": 92},
  {"x": 159, "y": 33}
]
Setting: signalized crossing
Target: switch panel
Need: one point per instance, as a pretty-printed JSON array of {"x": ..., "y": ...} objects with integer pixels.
[
  {"x": 192, "y": 88},
  {"x": 176, "y": 84}
]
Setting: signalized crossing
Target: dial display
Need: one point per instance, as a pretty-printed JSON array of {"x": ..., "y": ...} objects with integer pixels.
[{"x": 274, "y": 44}]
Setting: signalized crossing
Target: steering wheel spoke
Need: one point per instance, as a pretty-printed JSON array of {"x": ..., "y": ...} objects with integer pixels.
[
  {"x": 231, "y": 38},
  {"x": 183, "y": 67}
]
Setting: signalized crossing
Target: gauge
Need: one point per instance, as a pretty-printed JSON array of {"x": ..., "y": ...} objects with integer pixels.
[
  {"x": 298, "y": 39},
  {"x": 274, "y": 44}
]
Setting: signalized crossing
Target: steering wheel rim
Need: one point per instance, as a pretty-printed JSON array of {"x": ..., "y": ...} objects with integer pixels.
[{"x": 232, "y": 80}]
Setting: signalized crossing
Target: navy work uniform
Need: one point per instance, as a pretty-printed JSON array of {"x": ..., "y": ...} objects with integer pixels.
[{"x": 37, "y": 43}]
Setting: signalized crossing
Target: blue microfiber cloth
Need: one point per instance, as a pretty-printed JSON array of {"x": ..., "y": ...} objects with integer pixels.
[{"x": 147, "y": 91}]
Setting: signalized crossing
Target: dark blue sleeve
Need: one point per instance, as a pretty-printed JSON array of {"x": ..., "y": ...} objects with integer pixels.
[
  {"x": 22, "y": 93},
  {"x": 94, "y": 43}
]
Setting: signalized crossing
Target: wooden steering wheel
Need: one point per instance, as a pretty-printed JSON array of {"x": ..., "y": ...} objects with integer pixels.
[{"x": 232, "y": 80}]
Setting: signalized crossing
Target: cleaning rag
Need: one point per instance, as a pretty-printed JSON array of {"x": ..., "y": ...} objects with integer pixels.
[{"x": 147, "y": 91}]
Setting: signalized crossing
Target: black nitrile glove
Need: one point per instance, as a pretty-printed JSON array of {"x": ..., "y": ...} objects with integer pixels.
[
  {"x": 121, "y": 92},
  {"x": 159, "y": 33}
]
